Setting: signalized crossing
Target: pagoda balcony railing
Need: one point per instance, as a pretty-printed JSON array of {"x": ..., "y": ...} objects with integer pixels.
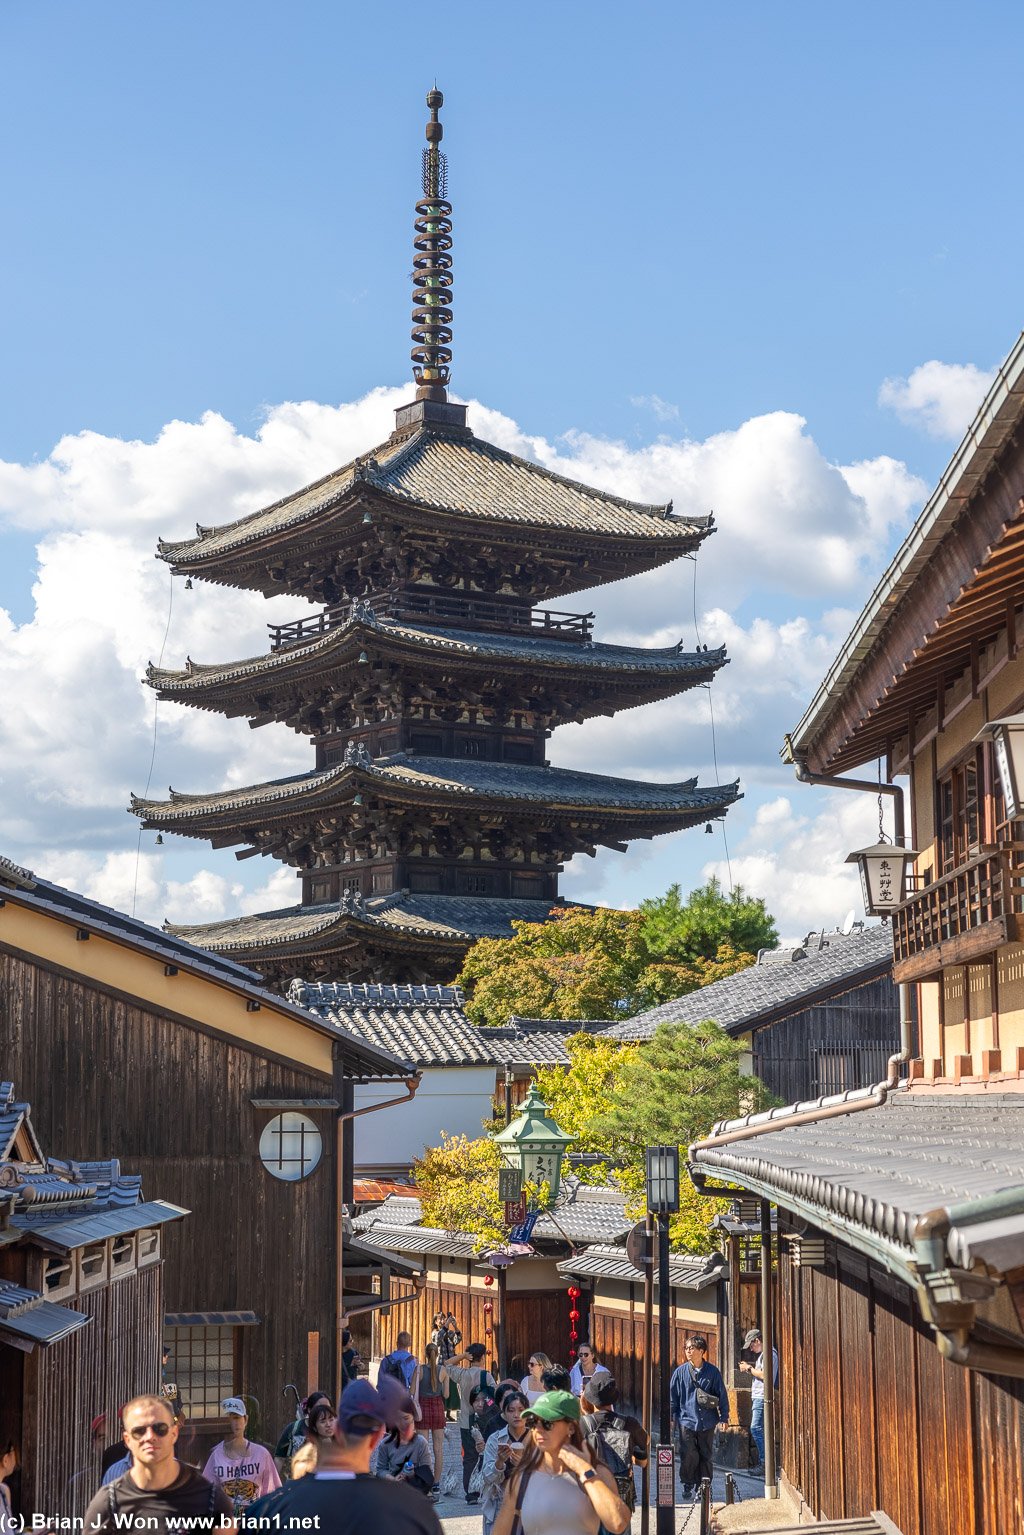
[
  {"x": 440, "y": 608},
  {"x": 964, "y": 916}
]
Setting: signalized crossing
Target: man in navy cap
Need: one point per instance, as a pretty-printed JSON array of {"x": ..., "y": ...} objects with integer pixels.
[{"x": 341, "y": 1497}]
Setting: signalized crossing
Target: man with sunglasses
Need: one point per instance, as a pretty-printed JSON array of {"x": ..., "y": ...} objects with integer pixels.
[{"x": 157, "y": 1493}]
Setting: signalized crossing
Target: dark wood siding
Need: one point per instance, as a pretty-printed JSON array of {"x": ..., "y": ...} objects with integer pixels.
[
  {"x": 784, "y": 1051},
  {"x": 618, "y": 1341},
  {"x": 107, "y": 1078},
  {"x": 874, "y": 1417},
  {"x": 96, "y": 1370}
]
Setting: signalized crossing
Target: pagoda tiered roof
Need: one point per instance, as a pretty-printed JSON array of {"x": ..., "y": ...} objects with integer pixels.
[
  {"x": 420, "y": 937},
  {"x": 392, "y": 513},
  {"x": 325, "y": 675},
  {"x": 295, "y": 807}
]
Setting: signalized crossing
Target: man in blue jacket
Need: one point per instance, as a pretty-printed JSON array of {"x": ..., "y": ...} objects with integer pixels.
[{"x": 696, "y": 1419}]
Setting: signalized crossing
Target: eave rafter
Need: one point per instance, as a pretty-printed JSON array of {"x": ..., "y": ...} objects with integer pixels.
[
  {"x": 371, "y": 671},
  {"x": 367, "y": 811}
]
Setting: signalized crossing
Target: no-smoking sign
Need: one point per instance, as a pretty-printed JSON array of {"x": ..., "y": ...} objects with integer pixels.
[{"x": 664, "y": 1457}]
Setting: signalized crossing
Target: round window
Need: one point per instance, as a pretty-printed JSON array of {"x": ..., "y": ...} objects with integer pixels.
[{"x": 290, "y": 1147}]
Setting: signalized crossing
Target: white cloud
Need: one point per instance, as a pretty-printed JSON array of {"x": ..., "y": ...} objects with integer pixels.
[
  {"x": 787, "y": 519},
  {"x": 795, "y": 859},
  {"x": 941, "y": 397},
  {"x": 656, "y": 405},
  {"x": 78, "y": 722}
]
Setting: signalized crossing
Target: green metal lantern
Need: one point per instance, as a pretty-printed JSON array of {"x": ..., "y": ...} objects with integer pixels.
[{"x": 535, "y": 1144}]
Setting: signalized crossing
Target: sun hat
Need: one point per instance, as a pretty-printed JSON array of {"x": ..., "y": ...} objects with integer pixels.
[{"x": 555, "y": 1405}]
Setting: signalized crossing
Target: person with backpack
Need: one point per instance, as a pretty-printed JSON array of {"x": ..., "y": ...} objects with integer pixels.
[
  {"x": 470, "y": 1376},
  {"x": 402, "y": 1365},
  {"x": 617, "y": 1440}
]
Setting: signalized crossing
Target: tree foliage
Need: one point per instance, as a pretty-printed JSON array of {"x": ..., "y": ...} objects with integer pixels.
[
  {"x": 607, "y": 964},
  {"x": 697, "y": 928},
  {"x": 458, "y": 1184},
  {"x": 619, "y": 1099}
]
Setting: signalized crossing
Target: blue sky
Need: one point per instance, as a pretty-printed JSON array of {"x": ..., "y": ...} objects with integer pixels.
[{"x": 675, "y": 225}]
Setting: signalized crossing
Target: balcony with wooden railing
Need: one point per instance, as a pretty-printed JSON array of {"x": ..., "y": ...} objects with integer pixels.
[
  {"x": 965, "y": 916},
  {"x": 443, "y": 608}
]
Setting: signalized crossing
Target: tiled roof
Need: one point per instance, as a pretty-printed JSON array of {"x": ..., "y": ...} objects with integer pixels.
[
  {"x": 424, "y": 1024},
  {"x": 93, "y": 1226},
  {"x": 590, "y": 1214},
  {"x": 451, "y": 919},
  {"x": 432, "y": 778},
  {"x": 13, "y": 875},
  {"x": 685, "y": 1272},
  {"x": 772, "y": 989},
  {"x": 880, "y": 1169},
  {"x": 458, "y": 473},
  {"x": 172, "y": 946},
  {"x": 391, "y": 635},
  {"x": 27, "y": 1317}
]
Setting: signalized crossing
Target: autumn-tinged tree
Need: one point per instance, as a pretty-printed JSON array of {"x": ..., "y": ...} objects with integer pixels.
[
  {"x": 576, "y": 1096},
  {"x": 580, "y": 964},
  {"x": 458, "y": 1184},
  {"x": 608, "y": 964}
]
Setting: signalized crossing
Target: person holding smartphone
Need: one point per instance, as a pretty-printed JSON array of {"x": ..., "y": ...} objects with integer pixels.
[{"x": 502, "y": 1454}]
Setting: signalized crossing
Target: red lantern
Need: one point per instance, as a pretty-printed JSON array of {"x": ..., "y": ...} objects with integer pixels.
[
  {"x": 488, "y": 1279},
  {"x": 574, "y": 1291},
  {"x": 488, "y": 1332},
  {"x": 488, "y": 1305}
]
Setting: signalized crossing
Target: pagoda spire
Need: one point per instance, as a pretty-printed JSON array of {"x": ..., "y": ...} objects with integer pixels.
[{"x": 432, "y": 268}]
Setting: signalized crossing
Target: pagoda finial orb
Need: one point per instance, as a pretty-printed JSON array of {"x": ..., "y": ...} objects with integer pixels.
[{"x": 432, "y": 267}]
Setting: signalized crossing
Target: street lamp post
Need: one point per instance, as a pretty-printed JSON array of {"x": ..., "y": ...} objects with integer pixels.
[{"x": 663, "y": 1201}]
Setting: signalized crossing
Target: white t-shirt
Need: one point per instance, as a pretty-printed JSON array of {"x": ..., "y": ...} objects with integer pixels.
[
  {"x": 529, "y": 1389},
  {"x": 244, "y": 1477}
]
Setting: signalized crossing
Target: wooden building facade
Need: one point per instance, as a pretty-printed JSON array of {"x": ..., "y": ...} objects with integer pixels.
[
  {"x": 81, "y": 1310},
  {"x": 526, "y": 1306},
  {"x": 225, "y": 1097},
  {"x": 900, "y": 1308}
]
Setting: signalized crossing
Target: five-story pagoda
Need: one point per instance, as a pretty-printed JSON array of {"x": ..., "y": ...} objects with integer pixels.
[{"x": 429, "y": 682}]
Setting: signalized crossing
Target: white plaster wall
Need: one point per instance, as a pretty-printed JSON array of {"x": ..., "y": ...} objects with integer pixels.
[{"x": 454, "y": 1099}]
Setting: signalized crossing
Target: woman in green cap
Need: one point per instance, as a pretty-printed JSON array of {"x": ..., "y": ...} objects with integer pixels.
[{"x": 558, "y": 1490}]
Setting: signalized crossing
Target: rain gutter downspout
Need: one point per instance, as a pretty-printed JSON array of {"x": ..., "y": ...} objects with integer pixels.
[{"x": 343, "y": 1116}]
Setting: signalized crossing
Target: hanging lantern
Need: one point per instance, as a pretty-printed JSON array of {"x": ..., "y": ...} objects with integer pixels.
[
  {"x": 488, "y": 1279},
  {"x": 1007, "y": 737},
  {"x": 882, "y": 876},
  {"x": 535, "y": 1144}
]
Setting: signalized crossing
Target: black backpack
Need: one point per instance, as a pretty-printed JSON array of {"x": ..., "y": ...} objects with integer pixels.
[
  {"x": 613, "y": 1446},
  {"x": 392, "y": 1367}
]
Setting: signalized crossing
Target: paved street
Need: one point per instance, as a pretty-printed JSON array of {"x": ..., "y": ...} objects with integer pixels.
[{"x": 458, "y": 1519}]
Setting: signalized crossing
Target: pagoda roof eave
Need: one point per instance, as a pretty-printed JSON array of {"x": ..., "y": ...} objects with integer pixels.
[
  {"x": 342, "y": 645},
  {"x": 445, "y": 475},
  {"x": 433, "y": 781},
  {"x": 416, "y": 921}
]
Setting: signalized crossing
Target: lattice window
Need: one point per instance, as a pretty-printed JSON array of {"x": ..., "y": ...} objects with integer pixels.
[
  {"x": 290, "y": 1146},
  {"x": 201, "y": 1364}
]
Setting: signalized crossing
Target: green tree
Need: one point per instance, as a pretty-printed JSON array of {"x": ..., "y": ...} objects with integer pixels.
[
  {"x": 607, "y": 964},
  {"x": 698, "y": 927},
  {"x": 672, "y": 1089},
  {"x": 580, "y": 964},
  {"x": 458, "y": 1184},
  {"x": 575, "y": 1096}
]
